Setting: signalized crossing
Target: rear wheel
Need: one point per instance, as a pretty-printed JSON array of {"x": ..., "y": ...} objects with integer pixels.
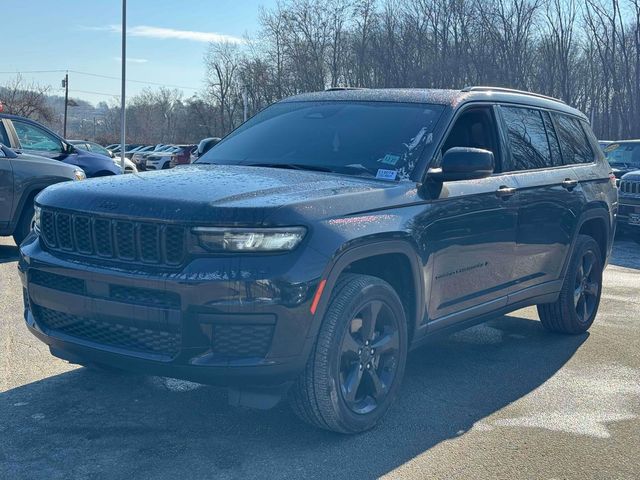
[
  {"x": 355, "y": 369},
  {"x": 577, "y": 306}
]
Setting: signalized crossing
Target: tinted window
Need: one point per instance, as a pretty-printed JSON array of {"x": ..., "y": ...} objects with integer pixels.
[
  {"x": 345, "y": 137},
  {"x": 527, "y": 138},
  {"x": 34, "y": 138},
  {"x": 573, "y": 141},
  {"x": 4, "y": 138},
  {"x": 554, "y": 144}
]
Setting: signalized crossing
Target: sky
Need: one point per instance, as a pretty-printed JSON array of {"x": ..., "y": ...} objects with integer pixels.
[{"x": 166, "y": 41}]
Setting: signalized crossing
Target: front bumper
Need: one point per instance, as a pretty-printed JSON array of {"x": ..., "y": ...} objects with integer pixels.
[
  {"x": 628, "y": 211},
  {"x": 229, "y": 321}
]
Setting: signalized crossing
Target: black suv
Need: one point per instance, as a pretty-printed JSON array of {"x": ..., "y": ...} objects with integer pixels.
[
  {"x": 624, "y": 158},
  {"x": 322, "y": 240}
]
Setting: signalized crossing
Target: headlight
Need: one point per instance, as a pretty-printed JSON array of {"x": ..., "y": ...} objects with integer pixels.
[
  {"x": 216, "y": 239},
  {"x": 79, "y": 174},
  {"x": 36, "y": 218}
]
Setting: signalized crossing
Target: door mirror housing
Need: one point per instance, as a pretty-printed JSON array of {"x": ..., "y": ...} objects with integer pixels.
[
  {"x": 7, "y": 152},
  {"x": 464, "y": 163}
]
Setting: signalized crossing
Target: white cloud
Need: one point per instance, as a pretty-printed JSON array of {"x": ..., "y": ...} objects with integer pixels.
[
  {"x": 132, "y": 60},
  {"x": 170, "y": 33}
]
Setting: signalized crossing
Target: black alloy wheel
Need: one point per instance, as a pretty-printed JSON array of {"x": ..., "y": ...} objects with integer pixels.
[{"x": 368, "y": 357}]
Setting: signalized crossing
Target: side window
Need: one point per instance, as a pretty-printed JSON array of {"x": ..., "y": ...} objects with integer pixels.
[
  {"x": 475, "y": 128},
  {"x": 554, "y": 144},
  {"x": 528, "y": 139},
  {"x": 4, "y": 138},
  {"x": 573, "y": 141},
  {"x": 34, "y": 138}
]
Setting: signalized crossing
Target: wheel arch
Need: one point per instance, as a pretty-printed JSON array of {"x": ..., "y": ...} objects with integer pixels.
[
  {"x": 595, "y": 222},
  {"x": 382, "y": 259},
  {"x": 28, "y": 195}
]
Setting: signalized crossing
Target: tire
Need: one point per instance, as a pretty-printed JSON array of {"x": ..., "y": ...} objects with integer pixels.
[
  {"x": 351, "y": 351},
  {"x": 24, "y": 224},
  {"x": 577, "y": 306}
]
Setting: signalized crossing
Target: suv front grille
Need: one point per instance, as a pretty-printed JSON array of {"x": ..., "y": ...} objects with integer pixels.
[
  {"x": 629, "y": 187},
  {"x": 113, "y": 332},
  {"x": 107, "y": 238}
]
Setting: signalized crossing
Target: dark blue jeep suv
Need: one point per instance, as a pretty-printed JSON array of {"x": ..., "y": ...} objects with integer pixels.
[{"x": 318, "y": 243}]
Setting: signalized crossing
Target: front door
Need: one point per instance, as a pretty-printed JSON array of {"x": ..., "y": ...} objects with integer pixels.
[
  {"x": 470, "y": 231},
  {"x": 38, "y": 141}
]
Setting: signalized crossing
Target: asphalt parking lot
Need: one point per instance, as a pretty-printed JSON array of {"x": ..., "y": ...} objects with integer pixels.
[{"x": 501, "y": 400}]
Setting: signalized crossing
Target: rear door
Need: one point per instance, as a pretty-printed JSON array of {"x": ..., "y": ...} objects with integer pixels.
[
  {"x": 548, "y": 202},
  {"x": 6, "y": 181}
]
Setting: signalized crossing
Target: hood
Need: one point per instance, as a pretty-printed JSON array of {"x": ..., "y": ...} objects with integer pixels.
[
  {"x": 619, "y": 170},
  {"x": 65, "y": 169},
  {"x": 91, "y": 162},
  {"x": 632, "y": 176},
  {"x": 228, "y": 195}
]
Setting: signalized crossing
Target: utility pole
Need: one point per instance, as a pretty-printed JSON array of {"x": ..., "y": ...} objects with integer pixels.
[
  {"x": 65, "y": 84},
  {"x": 122, "y": 91},
  {"x": 245, "y": 106}
]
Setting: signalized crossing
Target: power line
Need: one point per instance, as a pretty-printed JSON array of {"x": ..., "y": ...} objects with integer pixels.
[
  {"x": 94, "y": 93},
  {"x": 35, "y": 71},
  {"x": 135, "y": 81},
  {"x": 100, "y": 76}
]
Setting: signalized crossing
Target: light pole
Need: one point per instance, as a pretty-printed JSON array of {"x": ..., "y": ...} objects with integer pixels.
[
  {"x": 65, "y": 84},
  {"x": 123, "y": 88}
]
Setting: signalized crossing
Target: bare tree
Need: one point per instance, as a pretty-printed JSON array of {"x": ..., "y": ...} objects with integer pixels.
[{"x": 28, "y": 99}]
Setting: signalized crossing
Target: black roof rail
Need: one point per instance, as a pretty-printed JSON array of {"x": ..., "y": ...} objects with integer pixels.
[
  {"x": 337, "y": 89},
  {"x": 509, "y": 90}
]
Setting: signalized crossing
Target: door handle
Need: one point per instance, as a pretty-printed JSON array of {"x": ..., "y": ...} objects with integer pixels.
[
  {"x": 505, "y": 192},
  {"x": 569, "y": 184}
]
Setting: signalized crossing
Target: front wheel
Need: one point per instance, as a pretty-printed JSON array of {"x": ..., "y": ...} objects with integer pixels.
[
  {"x": 577, "y": 306},
  {"x": 355, "y": 369}
]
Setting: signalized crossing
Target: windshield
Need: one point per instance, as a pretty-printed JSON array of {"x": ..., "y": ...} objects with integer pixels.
[
  {"x": 623, "y": 154},
  {"x": 381, "y": 139}
]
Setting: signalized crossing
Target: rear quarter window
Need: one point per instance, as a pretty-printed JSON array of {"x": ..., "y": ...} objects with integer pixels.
[{"x": 574, "y": 144}]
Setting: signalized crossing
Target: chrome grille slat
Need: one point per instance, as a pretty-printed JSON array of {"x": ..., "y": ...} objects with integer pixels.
[
  {"x": 630, "y": 187},
  {"x": 113, "y": 239}
]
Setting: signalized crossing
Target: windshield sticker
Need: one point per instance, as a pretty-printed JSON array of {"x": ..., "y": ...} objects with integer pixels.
[
  {"x": 390, "y": 159},
  {"x": 386, "y": 174},
  {"x": 611, "y": 147}
]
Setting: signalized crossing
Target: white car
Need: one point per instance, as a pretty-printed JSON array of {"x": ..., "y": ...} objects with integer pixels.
[
  {"x": 129, "y": 166},
  {"x": 161, "y": 160}
]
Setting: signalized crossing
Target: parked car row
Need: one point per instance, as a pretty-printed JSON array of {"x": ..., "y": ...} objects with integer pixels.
[{"x": 160, "y": 156}]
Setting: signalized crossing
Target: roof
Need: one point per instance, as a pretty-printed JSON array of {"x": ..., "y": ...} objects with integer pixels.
[{"x": 451, "y": 98}]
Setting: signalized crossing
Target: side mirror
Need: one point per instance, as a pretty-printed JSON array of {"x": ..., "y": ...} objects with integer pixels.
[
  {"x": 464, "y": 163},
  {"x": 7, "y": 152},
  {"x": 68, "y": 148}
]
